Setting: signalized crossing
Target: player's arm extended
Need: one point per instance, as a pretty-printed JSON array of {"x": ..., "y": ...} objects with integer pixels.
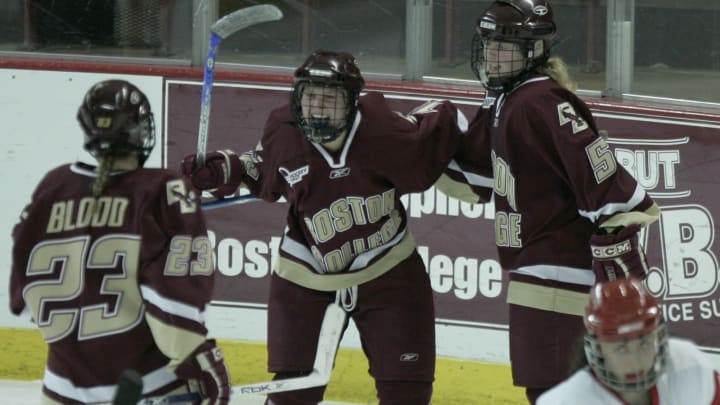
[
  {"x": 225, "y": 172},
  {"x": 615, "y": 247},
  {"x": 469, "y": 175},
  {"x": 429, "y": 137}
]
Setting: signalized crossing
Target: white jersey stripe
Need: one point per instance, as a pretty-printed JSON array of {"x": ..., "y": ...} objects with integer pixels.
[
  {"x": 302, "y": 253},
  {"x": 472, "y": 179},
  {"x": 613, "y": 208},
  {"x": 172, "y": 306},
  {"x": 462, "y": 121},
  {"x": 103, "y": 393}
]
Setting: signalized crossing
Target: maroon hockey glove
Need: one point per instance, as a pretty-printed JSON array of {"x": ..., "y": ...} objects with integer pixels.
[
  {"x": 206, "y": 365},
  {"x": 220, "y": 174},
  {"x": 617, "y": 255}
]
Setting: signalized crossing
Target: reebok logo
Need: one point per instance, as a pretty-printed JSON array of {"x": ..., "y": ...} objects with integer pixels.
[
  {"x": 409, "y": 357},
  {"x": 256, "y": 389},
  {"x": 337, "y": 173}
]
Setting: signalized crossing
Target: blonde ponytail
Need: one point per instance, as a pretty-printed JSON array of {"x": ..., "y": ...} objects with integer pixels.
[
  {"x": 558, "y": 71},
  {"x": 105, "y": 165}
]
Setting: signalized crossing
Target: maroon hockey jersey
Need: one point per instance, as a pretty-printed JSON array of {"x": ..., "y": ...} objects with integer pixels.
[
  {"x": 345, "y": 222},
  {"x": 554, "y": 182},
  {"x": 114, "y": 283}
]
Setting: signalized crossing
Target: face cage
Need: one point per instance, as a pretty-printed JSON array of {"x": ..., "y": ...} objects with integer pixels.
[
  {"x": 506, "y": 82},
  {"x": 322, "y": 131},
  {"x": 141, "y": 139},
  {"x": 596, "y": 361}
]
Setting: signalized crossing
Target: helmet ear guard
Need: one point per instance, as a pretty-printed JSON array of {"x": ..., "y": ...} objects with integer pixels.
[{"x": 327, "y": 70}]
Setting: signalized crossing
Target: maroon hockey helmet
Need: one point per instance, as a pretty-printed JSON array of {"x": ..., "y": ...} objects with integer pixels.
[
  {"x": 527, "y": 23},
  {"x": 622, "y": 310},
  {"x": 117, "y": 120},
  {"x": 332, "y": 70}
]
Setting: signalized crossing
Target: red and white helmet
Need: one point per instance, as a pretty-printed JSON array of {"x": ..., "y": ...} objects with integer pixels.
[
  {"x": 622, "y": 310},
  {"x": 527, "y": 23}
]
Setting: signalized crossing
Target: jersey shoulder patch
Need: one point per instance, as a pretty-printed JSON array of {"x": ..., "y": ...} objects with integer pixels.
[
  {"x": 567, "y": 115},
  {"x": 177, "y": 192}
]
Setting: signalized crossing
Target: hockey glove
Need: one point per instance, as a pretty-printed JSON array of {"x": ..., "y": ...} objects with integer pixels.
[
  {"x": 206, "y": 365},
  {"x": 617, "y": 255},
  {"x": 220, "y": 175}
]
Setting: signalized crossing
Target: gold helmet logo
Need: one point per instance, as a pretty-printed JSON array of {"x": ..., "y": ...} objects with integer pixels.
[{"x": 104, "y": 122}]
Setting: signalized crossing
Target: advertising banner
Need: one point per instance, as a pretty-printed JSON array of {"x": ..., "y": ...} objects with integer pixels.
[{"x": 675, "y": 159}]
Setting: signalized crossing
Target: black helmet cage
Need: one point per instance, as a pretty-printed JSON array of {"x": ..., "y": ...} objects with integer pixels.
[
  {"x": 334, "y": 70},
  {"x": 117, "y": 121},
  {"x": 596, "y": 361},
  {"x": 527, "y": 23}
]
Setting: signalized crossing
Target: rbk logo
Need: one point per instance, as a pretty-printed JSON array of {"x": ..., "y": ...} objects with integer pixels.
[
  {"x": 409, "y": 357},
  {"x": 337, "y": 173},
  {"x": 293, "y": 177}
]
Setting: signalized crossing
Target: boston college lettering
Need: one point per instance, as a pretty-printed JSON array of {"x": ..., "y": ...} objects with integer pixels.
[
  {"x": 345, "y": 213},
  {"x": 92, "y": 212}
]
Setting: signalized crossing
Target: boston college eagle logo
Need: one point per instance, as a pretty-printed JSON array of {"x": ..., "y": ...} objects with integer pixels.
[{"x": 566, "y": 114}]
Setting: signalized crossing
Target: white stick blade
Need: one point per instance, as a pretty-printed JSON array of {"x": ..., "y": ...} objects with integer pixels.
[
  {"x": 289, "y": 384},
  {"x": 244, "y": 18},
  {"x": 330, "y": 333}
]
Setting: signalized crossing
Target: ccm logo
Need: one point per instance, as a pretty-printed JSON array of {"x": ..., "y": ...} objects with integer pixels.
[{"x": 612, "y": 251}]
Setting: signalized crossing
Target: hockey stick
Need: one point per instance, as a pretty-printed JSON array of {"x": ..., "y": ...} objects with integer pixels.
[
  {"x": 226, "y": 202},
  {"x": 189, "y": 398},
  {"x": 220, "y": 30},
  {"x": 328, "y": 341},
  {"x": 240, "y": 199},
  {"x": 129, "y": 388}
]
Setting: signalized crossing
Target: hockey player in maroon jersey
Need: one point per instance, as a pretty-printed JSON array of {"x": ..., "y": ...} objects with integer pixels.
[
  {"x": 631, "y": 360},
  {"x": 567, "y": 216},
  {"x": 114, "y": 265},
  {"x": 342, "y": 162}
]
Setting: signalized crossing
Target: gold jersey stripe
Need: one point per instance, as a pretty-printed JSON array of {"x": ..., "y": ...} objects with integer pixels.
[
  {"x": 456, "y": 189},
  {"x": 175, "y": 343},
  {"x": 645, "y": 218},
  {"x": 547, "y": 298}
]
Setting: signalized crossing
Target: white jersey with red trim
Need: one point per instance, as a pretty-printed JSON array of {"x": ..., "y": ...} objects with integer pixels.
[{"x": 689, "y": 378}]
